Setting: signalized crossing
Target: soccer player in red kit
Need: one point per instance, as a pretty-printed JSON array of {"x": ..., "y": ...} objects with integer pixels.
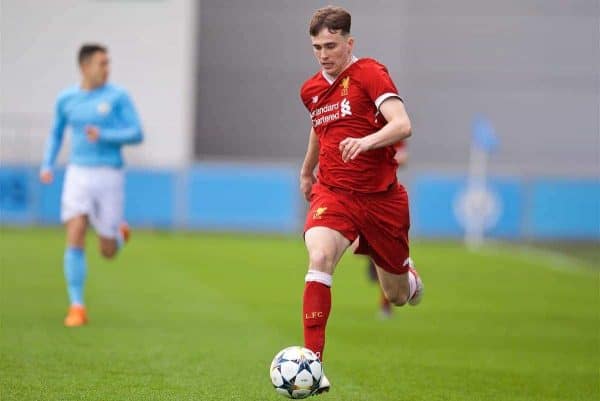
[{"x": 357, "y": 118}]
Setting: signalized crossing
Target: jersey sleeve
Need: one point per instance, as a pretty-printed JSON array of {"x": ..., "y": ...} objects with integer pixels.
[
  {"x": 378, "y": 84},
  {"x": 304, "y": 97},
  {"x": 131, "y": 130},
  {"x": 54, "y": 141}
]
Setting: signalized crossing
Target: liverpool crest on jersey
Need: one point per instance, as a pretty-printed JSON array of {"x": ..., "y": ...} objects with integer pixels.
[
  {"x": 318, "y": 214},
  {"x": 345, "y": 85}
]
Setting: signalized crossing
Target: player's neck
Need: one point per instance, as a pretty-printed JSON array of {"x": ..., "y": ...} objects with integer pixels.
[
  {"x": 89, "y": 86},
  {"x": 332, "y": 78}
]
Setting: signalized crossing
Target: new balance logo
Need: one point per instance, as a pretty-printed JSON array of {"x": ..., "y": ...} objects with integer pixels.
[{"x": 345, "y": 108}]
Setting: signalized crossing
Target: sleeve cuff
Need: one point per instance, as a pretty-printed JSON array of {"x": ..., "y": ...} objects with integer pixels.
[{"x": 384, "y": 97}]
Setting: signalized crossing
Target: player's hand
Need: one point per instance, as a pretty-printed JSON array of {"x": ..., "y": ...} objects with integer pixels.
[
  {"x": 46, "y": 177},
  {"x": 92, "y": 132},
  {"x": 352, "y": 147},
  {"x": 306, "y": 183}
]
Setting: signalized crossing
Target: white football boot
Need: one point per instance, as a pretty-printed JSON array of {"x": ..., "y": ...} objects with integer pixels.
[{"x": 323, "y": 387}]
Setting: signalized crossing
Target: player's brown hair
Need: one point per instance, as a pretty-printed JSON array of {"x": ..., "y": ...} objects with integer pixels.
[
  {"x": 87, "y": 50},
  {"x": 331, "y": 17}
]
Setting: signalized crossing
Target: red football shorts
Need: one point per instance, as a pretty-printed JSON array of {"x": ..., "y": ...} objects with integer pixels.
[{"x": 381, "y": 220}]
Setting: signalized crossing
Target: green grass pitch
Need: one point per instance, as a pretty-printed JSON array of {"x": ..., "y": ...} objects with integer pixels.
[{"x": 199, "y": 316}]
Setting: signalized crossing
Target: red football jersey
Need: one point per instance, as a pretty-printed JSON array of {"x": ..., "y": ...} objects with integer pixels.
[{"x": 349, "y": 107}]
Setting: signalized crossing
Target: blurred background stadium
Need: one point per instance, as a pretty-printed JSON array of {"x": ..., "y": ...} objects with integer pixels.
[{"x": 216, "y": 85}]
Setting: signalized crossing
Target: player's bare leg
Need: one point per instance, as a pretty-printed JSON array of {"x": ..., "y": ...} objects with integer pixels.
[
  {"x": 325, "y": 248},
  {"x": 403, "y": 288},
  {"x": 75, "y": 270},
  {"x": 76, "y": 229},
  {"x": 385, "y": 306},
  {"x": 110, "y": 246}
]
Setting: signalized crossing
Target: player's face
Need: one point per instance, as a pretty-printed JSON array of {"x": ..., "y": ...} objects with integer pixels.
[
  {"x": 332, "y": 50},
  {"x": 96, "y": 69}
]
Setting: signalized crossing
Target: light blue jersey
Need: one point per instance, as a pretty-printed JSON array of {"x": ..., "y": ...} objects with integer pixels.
[{"x": 107, "y": 107}]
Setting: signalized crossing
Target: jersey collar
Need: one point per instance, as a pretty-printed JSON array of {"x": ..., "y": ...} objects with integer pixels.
[{"x": 331, "y": 79}]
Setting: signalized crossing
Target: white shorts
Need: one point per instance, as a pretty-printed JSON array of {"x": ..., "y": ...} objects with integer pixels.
[{"x": 96, "y": 192}]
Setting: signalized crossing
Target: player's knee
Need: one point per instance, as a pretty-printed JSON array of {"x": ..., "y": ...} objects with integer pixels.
[
  {"x": 400, "y": 300},
  {"x": 76, "y": 238},
  {"x": 397, "y": 298},
  {"x": 108, "y": 251},
  {"x": 319, "y": 258}
]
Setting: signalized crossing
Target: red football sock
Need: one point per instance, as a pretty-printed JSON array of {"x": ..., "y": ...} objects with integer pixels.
[{"x": 317, "y": 304}]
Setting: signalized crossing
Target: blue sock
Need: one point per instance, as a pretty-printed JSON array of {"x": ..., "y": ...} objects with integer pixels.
[{"x": 75, "y": 272}]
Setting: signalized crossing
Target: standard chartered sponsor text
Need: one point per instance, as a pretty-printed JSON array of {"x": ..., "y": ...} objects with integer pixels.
[
  {"x": 326, "y": 119},
  {"x": 326, "y": 114},
  {"x": 325, "y": 109}
]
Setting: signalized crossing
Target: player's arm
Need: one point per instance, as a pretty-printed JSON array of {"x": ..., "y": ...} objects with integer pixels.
[
  {"x": 130, "y": 133},
  {"x": 397, "y": 129},
  {"x": 307, "y": 175},
  {"x": 53, "y": 144}
]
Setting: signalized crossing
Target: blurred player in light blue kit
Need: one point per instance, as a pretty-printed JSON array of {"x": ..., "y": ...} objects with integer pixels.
[{"x": 102, "y": 119}]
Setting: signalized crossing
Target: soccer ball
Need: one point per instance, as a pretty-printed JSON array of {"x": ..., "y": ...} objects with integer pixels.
[{"x": 296, "y": 372}]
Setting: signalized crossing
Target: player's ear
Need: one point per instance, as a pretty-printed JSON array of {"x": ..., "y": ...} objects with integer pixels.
[
  {"x": 351, "y": 42},
  {"x": 84, "y": 64}
]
